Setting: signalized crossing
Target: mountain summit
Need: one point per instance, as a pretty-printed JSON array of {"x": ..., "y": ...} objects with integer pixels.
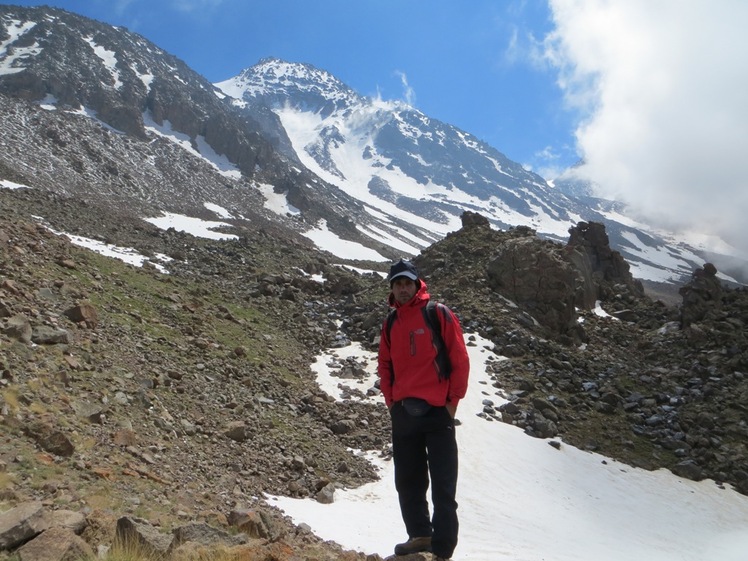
[
  {"x": 395, "y": 160},
  {"x": 274, "y": 80},
  {"x": 414, "y": 176}
]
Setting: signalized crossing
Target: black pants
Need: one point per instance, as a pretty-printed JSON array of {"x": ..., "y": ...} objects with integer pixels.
[{"x": 422, "y": 447}]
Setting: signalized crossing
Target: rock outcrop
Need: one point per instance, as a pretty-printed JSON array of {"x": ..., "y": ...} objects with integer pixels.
[
  {"x": 536, "y": 275},
  {"x": 702, "y": 296}
]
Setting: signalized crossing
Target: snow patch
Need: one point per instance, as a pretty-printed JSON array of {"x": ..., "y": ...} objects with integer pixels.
[
  {"x": 126, "y": 254},
  {"x": 277, "y": 202},
  {"x": 109, "y": 58},
  {"x": 49, "y": 103},
  {"x": 520, "y": 498},
  {"x": 7, "y": 184},
  {"x": 204, "y": 150},
  {"x": 13, "y": 63},
  {"x": 218, "y": 210},
  {"x": 190, "y": 225},
  {"x": 327, "y": 240}
]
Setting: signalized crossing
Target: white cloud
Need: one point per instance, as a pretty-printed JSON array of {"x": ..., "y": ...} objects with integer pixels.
[
  {"x": 552, "y": 165},
  {"x": 663, "y": 85},
  {"x": 409, "y": 93},
  {"x": 192, "y": 6},
  {"x": 121, "y": 6}
]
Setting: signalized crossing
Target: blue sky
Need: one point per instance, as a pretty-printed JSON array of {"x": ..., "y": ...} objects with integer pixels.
[
  {"x": 462, "y": 63},
  {"x": 650, "y": 93}
]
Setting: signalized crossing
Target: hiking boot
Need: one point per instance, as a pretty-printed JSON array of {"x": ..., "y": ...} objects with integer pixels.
[
  {"x": 413, "y": 545},
  {"x": 437, "y": 558}
]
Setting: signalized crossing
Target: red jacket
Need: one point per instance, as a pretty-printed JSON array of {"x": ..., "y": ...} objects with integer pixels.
[{"x": 407, "y": 360}]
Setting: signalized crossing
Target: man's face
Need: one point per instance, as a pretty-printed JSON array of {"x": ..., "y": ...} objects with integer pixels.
[{"x": 403, "y": 289}]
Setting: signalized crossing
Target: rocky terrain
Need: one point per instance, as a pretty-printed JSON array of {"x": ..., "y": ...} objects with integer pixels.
[
  {"x": 171, "y": 396},
  {"x": 184, "y": 397},
  {"x": 163, "y": 402}
]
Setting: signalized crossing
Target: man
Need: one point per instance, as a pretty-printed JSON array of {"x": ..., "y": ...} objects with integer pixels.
[{"x": 422, "y": 390}]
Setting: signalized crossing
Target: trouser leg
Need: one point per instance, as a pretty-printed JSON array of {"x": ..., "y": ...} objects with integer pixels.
[
  {"x": 411, "y": 475},
  {"x": 442, "y": 452}
]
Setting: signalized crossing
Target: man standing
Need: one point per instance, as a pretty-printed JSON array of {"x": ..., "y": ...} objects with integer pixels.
[{"x": 423, "y": 371}]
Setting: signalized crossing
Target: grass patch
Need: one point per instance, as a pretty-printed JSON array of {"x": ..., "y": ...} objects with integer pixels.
[
  {"x": 10, "y": 397},
  {"x": 7, "y": 480}
]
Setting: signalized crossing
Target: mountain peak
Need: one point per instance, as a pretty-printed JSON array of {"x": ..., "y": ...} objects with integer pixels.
[{"x": 278, "y": 81}]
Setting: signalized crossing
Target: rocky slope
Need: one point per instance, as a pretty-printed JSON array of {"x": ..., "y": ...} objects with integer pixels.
[
  {"x": 168, "y": 396},
  {"x": 652, "y": 385},
  {"x": 635, "y": 379},
  {"x": 186, "y": 396},
  {"x": 98, "y": 112}
]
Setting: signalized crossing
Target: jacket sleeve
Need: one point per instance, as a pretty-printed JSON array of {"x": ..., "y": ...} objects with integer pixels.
[
  {"x": 459, "y": 361},
  {"x": 385, "y": 366}
]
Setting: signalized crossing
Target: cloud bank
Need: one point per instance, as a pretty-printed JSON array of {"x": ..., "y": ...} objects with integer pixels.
[{"x": 662, "y": 86}]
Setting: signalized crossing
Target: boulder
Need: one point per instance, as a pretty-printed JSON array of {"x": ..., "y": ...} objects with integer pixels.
[
  {"x": 529, "y": 272},
  {"x": 702, "y": 296},
  {"x": 20, "y": 524},
  {"x": 84, "y": 313},
  {"x": 18, "y": 327},
  {"x": 204, "y": 534},
  {"x": 56, "y": 544},
  {"x": 139, "y": 533}
]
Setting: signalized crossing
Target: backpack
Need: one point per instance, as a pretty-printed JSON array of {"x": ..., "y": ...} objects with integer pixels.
[{"x": 431, "y": 317}]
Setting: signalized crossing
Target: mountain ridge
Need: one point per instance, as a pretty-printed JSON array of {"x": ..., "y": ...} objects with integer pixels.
[
  {"x": 182, "y": 105},
  {"x": 394, "y": 137},
  {"x": 378, "y": 174}
]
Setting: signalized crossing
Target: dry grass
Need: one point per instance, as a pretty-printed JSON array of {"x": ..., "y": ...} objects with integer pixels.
[
  {"x": 133, "y": 551},
  {"x": 7, "y": 480},
  {"x": 10, "y": 397}
]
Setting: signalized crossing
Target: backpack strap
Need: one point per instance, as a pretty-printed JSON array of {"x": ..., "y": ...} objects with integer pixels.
[
  {"x": 390, "y": 320},
  {"x": 431, "y": 313}
]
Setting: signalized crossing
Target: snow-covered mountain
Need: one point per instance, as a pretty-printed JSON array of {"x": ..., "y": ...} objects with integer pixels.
[
  {"x": 402, "y": 165},
  {"x": 415, "y": 175},
  {"x": 95, "y": 111}
]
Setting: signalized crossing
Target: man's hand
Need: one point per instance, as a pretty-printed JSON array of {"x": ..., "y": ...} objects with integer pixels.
[{"x": 452, "y": 409}]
